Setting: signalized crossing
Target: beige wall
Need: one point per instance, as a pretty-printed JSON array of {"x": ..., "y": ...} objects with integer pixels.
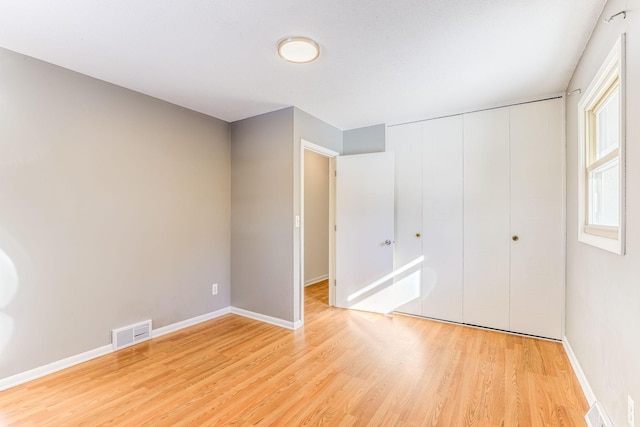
[
  {"x": 114, "y": 208},
  {"x": 603, "y": 289},
  {"x": 316, "y": 217}
]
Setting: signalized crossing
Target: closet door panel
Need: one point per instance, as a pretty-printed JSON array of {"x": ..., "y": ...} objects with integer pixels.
[
  {"x": 537, "y": 257},
  {"x": 486, "y": 218},
  {"x": 442, "y": 239},
  {"x": 406, "y": 143}
]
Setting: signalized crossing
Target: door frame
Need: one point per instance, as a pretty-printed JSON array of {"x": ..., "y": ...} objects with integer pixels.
[{"x": 331, "y": 155}]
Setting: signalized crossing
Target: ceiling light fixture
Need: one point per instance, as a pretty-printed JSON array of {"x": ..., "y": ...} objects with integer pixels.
[{"x": 298, "y": 49}]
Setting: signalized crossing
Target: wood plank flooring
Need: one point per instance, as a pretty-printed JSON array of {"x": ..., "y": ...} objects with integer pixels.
[{"x": 343, "y": 368}]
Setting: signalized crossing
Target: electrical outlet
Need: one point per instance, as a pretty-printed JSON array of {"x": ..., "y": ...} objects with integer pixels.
[
  {"x": 630, "y": 411},
  {"x": 214, "y": 289}
]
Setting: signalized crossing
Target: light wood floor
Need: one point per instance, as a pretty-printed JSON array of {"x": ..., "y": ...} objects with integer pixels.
[{"x": 342, "y": 368}]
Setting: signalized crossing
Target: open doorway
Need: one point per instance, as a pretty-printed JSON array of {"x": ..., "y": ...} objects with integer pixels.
[
  {"x": 316, "y": 229},
  {"x": 317, "y": 224}
]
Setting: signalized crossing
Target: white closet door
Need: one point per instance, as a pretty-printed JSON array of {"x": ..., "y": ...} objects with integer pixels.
[
  {"x": 405, "y": 141},
  {"x": 442, "y": 237},
  {"x": 537, "y": 257},
  {"x": 486, "y": 218}
]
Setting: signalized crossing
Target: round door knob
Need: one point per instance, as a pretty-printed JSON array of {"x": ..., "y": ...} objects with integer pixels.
[
  {"x": 515, "y": 238},
  {"x": 387, "y": 242},
  {"x": 418, "y": 234}
]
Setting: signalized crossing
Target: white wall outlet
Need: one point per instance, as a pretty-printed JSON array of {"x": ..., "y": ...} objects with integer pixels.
[
  {"x": 214, "y": 289},
  {"x": 630, "y": 411}
]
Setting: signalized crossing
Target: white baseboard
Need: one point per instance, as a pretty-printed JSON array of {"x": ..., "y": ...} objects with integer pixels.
[
  {"x": 582, "y": 378},
  {"x": 189, "y": 322},
  {"x": 316, "y": 280},
  {"x": 59, "y": 365},
  {"x": 264, "y": 318},
  {"x": 53, "y": 367}
]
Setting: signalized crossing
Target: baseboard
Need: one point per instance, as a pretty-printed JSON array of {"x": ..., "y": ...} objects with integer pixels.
[
  {"x": 189, "y": 322},
  {"x": 68, "y": 362},
  {"x": 582, "y": 378},
  {"x": 264, "y": 318},
  {"x": 316, "y": 280},
  {"x": 53, "y": 367}
]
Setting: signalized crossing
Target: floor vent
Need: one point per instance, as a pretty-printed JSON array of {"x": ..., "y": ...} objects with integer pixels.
[
  {"x": 596, "y": 417},
  {"x": 130, "y": 335}
]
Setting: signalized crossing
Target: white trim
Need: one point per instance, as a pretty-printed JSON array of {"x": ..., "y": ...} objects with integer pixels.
[
  {"x": 485, "y": 108},
  {"x": 53, "y": 367},
  {"x": 189, "y": 322},
  {"x": 615, "y": 60},
  {"x": 316, "y": 280},
  {"x": 266, "y": 319},
  {"x": 307, "y": 145},
  {"x": 332, "y": 231},
  {"x": 564, "y": 216},
  {"x": 582, "y": 378}
]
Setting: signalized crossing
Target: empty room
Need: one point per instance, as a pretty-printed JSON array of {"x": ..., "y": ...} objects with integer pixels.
[{"x": 364, "y": 213}]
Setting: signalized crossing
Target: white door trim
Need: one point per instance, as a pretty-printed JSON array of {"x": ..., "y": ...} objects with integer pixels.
[{"x": 307, "y": 145}]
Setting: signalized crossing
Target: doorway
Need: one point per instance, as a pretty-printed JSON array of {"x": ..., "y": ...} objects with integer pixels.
[{"x": 317, "y": 223}]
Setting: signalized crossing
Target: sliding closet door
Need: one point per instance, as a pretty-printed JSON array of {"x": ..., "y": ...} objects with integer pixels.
[
  {"x": 442, "y": 195},
  {"x": 537, "y": 257},
  {"x": 486, "y": 218},
  {"x": 405, "y": 141}
]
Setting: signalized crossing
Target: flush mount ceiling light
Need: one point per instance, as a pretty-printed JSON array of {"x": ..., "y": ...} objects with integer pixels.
[{"x": 298, "y": 49}]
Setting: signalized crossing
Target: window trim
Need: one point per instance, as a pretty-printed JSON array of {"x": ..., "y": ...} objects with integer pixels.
[{"x": 610, "y": 74}]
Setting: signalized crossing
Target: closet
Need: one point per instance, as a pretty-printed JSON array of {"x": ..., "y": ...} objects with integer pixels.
[{"x": 480, "y": 204}]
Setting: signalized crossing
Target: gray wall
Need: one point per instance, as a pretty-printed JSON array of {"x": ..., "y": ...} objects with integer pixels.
[
  {"x": 316, "y": 217},
  {"x": 315, "y": 130},
  {"x": 114, "y": 208},
  {"x": 262, "y": 220},
  {"x": 371, "y": 139},
  {"x": 603, "y": 289}
]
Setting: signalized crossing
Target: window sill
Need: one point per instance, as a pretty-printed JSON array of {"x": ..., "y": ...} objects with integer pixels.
[
  {"x": 597, "y": 236},
  {"x": 607, "y": 232}
]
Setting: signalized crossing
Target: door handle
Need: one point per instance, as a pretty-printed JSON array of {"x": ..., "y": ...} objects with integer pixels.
[
  {"x": 388, "y": 242},
  {"x": 515, "y": 238}
]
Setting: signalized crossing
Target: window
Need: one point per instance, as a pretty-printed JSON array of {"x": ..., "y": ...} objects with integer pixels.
[{"x": 601, "y": 168}]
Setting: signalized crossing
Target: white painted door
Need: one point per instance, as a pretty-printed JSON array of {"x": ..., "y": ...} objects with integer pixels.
[
  {"x": 405, "y": 141},
  {"x": 442, "y": 238},
  {"x": 537, "y": 256},
  {"x": 364, "y": 235},
  {"x": 487, "y": 235}
]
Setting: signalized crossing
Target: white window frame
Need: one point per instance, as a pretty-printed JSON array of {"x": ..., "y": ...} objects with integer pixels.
[{"x": 613, "y": 69}]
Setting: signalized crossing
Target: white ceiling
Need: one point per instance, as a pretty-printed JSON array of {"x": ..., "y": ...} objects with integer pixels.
[{"x": 381, "y": 61}]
